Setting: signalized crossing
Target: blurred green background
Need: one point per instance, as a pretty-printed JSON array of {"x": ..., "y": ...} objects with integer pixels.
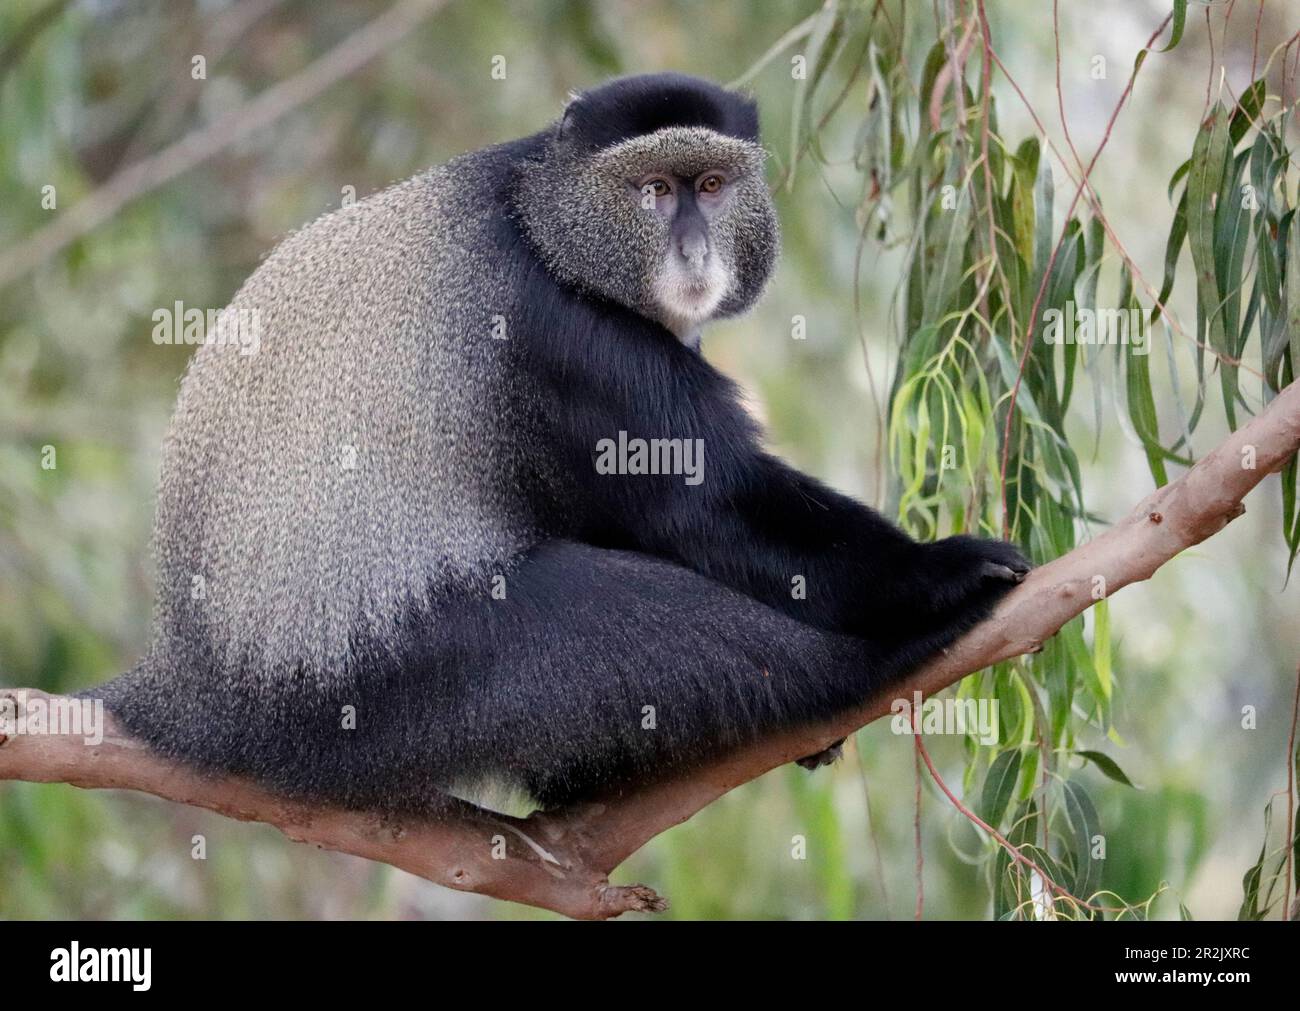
[{"x": 102, "y": 84}]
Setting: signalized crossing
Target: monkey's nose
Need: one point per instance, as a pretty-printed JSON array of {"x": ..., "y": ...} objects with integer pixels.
[{"x": 694, "y": 248}]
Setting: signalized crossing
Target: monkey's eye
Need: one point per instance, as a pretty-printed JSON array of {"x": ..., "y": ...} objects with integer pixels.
[
  {"x": 711, "y": 184},
  {"x": 656, "y": 188}
]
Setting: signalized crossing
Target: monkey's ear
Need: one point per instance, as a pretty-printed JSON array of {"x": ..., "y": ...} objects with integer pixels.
[{"x": 565, "y": 127}]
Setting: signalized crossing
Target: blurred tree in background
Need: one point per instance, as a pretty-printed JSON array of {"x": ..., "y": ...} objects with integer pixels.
[{"x": 930, "y": 220}]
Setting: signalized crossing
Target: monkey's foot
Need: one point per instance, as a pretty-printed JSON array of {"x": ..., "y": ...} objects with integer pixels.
[{"x": 825, "y": 757}]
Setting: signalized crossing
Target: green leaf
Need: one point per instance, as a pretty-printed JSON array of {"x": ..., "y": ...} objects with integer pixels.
[
  {"x": 1021, "y": 194},
  {"x": 1142, "y": 413},
  {"x": 1180, "y": 22},
  {"x": 1107, "y": 766},
  {"x": 1210, "y": 158},
  {"x": 798, "y": 32},
  {"x": 825, "y": 22},
  {"x": 1250, "y": 909},
  {"x": 1232, "y": 228},
  {"x": 1101, "y": 647},
  {"x": 1043, "y": 237},
  {"x": 1291, "y": 322},
  {"x": 1246, "y": 112},
  {"x": 1179, "y": 173},
  {"x": 1085, "y": 826},
  {"x": 999, "y": 785}
]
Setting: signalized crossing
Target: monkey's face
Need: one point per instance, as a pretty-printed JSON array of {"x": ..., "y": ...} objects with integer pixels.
[
  {"x": 692, "y": 278},
  {"x": 676, "y": 225}
]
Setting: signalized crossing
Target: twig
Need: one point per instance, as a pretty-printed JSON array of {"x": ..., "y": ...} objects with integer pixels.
[
  {"x": 919, "y": 910},
  {"x": 1290, "y": 802},
  {"x": 1011, "y": 849}
]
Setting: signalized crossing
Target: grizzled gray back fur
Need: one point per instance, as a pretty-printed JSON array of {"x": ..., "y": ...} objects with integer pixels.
[{"x": 368, "y": 456}]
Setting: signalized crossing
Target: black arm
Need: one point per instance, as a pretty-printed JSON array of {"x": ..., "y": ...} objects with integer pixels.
[{"x": 739, "y": 515}]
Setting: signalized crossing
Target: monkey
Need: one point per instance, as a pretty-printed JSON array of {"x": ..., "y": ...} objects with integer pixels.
[{"x": 389, "y": 558}]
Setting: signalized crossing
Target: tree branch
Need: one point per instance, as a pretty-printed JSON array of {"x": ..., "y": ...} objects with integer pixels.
[{"x": 561, "y": 861}]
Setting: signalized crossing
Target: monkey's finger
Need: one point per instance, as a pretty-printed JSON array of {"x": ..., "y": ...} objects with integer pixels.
[{"x": 1003, "y": 573}]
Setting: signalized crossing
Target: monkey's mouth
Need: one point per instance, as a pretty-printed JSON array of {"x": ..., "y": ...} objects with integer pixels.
[
  {"x": 695, "y": 288},
  {"x": 691, "y": 291}
]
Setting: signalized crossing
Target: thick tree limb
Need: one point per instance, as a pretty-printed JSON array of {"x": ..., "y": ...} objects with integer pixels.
[{"x": 562, "y": 861}]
